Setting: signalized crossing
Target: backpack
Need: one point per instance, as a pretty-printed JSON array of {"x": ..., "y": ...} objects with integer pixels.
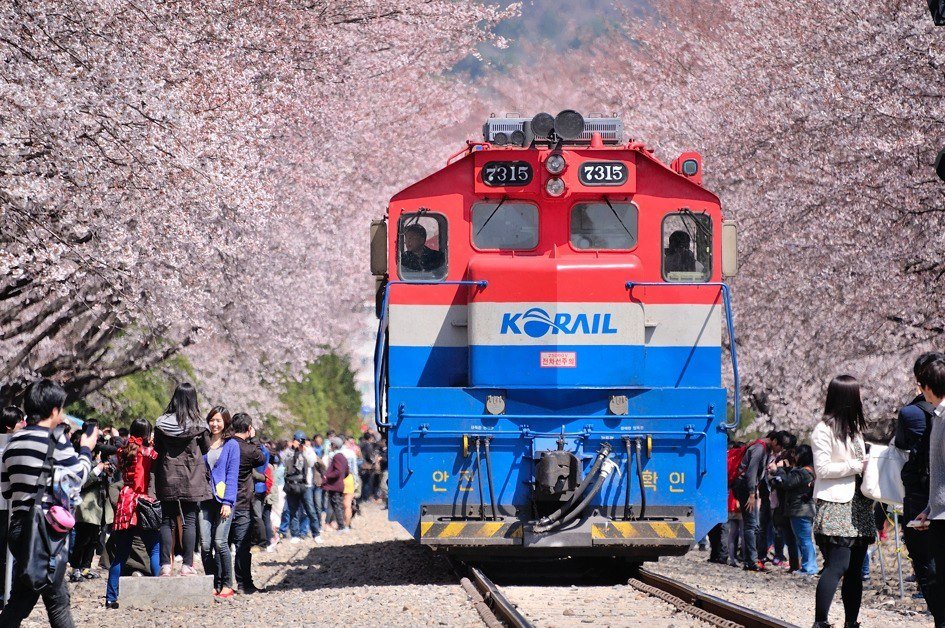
[{"x": 735, "y": 456}]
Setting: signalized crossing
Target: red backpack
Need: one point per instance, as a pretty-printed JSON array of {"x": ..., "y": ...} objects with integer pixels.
[{"x": 735, "y": 455}]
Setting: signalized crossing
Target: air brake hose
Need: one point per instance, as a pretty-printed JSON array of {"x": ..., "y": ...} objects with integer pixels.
[
  {"x": 626, "y": 504},
  {"x": 595, "y": 468},
  {"x": 495, "y": 514},
  {"x": 639, "y": 448},
  {"x": 482, "y": 504},
  {"x": 608, "y": 467}
]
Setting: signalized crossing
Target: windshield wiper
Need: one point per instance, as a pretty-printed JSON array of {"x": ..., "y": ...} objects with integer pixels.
[
  {"x": 699, "y": 224},
  {"x": 504, "y": 198},
  {"x": 607, "y": 200}
]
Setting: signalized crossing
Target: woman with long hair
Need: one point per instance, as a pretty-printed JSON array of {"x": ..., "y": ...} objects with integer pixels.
[
  {"x": 135, "y": 458},
  {"x": 843, "y": 524},
  {"x": 223, "y": 463},
  {"x": 181, "y": 439}
]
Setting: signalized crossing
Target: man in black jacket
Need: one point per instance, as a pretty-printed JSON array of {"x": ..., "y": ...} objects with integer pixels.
[
  {"x": 251, "y": 456},
  {"x": 912, "y": 434}
]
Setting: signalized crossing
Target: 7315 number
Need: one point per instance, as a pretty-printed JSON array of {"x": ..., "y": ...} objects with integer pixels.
[
  {"x": 603, "y": 173},
  {"x": 506, "y": 173}
]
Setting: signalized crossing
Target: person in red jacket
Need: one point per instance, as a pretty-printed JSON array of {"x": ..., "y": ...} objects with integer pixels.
[
  {"x": 134, "y": 460},
  {"x": 334, "y": 482}
]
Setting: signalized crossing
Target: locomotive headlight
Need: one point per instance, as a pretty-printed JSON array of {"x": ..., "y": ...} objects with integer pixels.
[
  {"x": 555, "y": 164},
  {"x": 554, "y": 187}
]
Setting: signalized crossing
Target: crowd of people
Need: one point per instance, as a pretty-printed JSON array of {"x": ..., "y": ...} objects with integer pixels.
[
  {"x": 790, "y": 501},
  {"x": 150, "y": 496}
]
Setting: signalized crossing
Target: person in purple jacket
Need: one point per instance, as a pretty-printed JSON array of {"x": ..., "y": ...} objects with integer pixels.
[{"x": 223, "y": 463}]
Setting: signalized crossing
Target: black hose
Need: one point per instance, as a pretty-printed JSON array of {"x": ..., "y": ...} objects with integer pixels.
[
  {"x": 639, "y": 448},
  {"x": 482, "y": 504},
  {"x": 626, "y": 505},
  {"x": 595, "y": 468},
  {"x": 579, "y": 509},
  {"x": 489, "y": 477},
  {"x": 576, "y": 512}
]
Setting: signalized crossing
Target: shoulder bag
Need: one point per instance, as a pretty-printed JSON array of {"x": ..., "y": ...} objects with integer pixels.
[
  {"x": 46, "y": 548},
  {"x": 882, "y": 480},
  {"x": 149, "y": 513}
]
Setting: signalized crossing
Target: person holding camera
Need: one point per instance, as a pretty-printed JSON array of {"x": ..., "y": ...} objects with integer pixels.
[
  {"x": 134, "y": 461},
  {"x": 299, "y": 469},
  {"x": 20, "y": 472}
]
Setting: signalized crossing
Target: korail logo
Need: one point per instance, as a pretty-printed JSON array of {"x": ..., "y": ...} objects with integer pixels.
[{"x": 536, "y": 323}]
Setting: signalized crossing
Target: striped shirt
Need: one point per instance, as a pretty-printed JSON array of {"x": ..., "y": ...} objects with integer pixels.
[{"x": 23, "y": 462}]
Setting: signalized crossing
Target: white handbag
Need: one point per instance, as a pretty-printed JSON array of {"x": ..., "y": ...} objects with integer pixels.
[{"x": 882, "y": 480}]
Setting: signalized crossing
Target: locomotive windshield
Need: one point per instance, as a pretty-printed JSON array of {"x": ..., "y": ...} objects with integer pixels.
[
  {"x": 604, "y": 225},
  {"x": 422, "y": 246},
  {"x": 509, "y": 225},
  {"x": 687, "y": 247}
]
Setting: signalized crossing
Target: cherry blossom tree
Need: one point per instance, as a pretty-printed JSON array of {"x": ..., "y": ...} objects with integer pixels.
[{"x": 199, "y": 175}]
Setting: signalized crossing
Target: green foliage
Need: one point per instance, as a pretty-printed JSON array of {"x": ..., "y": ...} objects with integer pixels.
[
  {"x": 746, "y": 422},
  {"x": 323, "y": 397},
  {"x": 141, "y": 395}
]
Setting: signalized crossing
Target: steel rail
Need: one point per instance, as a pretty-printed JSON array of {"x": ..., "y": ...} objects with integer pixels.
[
  {"x": 504, "y": 611},
  {"x": 702, "y": 604}
]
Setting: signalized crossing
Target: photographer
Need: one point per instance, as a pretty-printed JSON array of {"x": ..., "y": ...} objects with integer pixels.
[
  {"x": 19, "y": 475},
  {"x": 300, "y": 461},
  {"x": 92, "y": 514}
]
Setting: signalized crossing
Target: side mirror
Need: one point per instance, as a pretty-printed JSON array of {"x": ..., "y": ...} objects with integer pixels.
[
  {"x": 379, "y": 248},
  {"x": 729, "y": 248}
]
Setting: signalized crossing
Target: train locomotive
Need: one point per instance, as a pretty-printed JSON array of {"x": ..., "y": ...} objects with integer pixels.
[{"x": 549, "y": 352}]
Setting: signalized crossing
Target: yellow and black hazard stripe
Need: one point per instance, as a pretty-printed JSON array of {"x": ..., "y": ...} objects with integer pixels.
[
  {"x": 470, "y": 532},
  {"x": 643, "y": 532}
]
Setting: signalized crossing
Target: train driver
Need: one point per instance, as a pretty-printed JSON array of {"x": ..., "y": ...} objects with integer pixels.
[
  {"x": 678, "y": 256},
  {"x": 417, "y": 256}
]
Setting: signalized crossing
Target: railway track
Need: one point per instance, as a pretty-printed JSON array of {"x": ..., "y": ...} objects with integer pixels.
[{"x": 526, "y": 606}]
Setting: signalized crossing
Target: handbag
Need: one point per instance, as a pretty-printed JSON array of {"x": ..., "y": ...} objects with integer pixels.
[
  {"x": 882, "y": 480},
  {"x": 45, "y": 549},
  {"x": 149, "y": 513}
]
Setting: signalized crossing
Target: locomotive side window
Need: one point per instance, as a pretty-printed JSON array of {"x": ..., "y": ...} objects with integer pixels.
[
  {"x": 505, "y": 225},
  {"x": 604, "y": 226},
  {"x": 687, "y": 247},
  {"x": 421, "y": 249}
]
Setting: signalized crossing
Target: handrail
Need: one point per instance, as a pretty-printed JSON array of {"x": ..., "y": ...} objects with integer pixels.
[
  {"x": 727, "y": 300},
  {"x": 380, "y": 358}
]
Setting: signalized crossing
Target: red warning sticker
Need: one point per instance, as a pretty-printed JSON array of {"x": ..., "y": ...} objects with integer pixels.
[{"x": 558, "y": 359}]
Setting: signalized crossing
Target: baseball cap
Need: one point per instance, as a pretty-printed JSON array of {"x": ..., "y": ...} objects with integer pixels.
[{"x": 299, "y": 436}]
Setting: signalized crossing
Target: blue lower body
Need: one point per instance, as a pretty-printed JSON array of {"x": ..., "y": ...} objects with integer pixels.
[{"x": 685, "y": 469}]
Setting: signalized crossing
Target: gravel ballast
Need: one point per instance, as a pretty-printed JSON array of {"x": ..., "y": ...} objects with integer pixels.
[{"x": 374, "y": 575}]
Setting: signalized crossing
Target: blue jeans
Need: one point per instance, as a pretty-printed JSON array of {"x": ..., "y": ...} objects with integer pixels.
[
  {"x": 242, "y": 539},
  {"x": 315, "y": 496},
  {"x": 123, "y": 539},
  {"x": 801, "y": 526},
  {"x": 749, "y": 529},
  {"x": 215, "y": 544},
  {"x": 299, "y": 506}
]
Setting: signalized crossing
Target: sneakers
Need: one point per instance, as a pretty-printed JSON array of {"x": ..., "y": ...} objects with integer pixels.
[
  {"x": 295, "y": 540},
  {"x": 111, "y": 605},
  {"x": 88, "y": 574},
  {"x": 187, "y": 570},
  {"x": 166, "y": 570},
  {"x": 75, "y": 576},
  {"x": 319, "y": 539},
  {"x": 224, "y": 593}
]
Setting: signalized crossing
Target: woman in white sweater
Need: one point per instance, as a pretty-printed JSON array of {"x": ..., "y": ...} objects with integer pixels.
[{"x": 843, "y": 525}]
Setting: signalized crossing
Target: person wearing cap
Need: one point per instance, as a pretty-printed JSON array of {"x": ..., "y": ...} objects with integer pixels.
[
  {"x": 298, "y": 493},
  {"x": 334, "y": 482}
]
